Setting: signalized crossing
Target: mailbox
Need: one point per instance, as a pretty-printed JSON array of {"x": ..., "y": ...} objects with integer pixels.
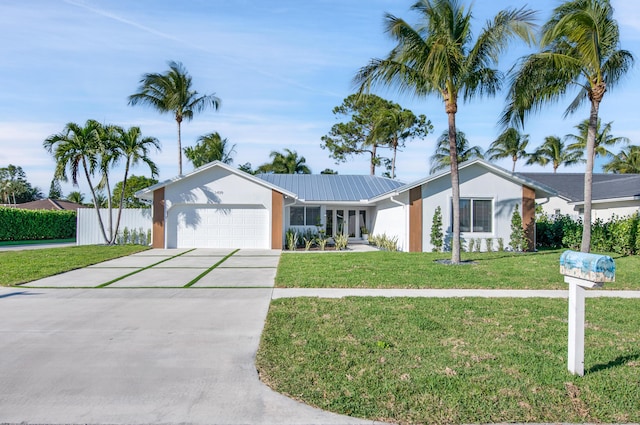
[
  {"x": 589, "y": 270},
  {"x": 582, "y": 270}
]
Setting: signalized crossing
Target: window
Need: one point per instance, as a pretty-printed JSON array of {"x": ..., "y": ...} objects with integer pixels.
[
  {"x": 476, "y": 215},
  {"x": 304, "y": 216}
]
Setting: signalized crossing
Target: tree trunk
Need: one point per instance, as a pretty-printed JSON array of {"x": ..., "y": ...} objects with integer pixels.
[
  {"x": 585, "y": 246},
  {"x": 455, "y": 185},
  {"x": 95, "y": 201},
  {"x": 124, "y": 186},
  {"x": 179, "y": 121},
  {"x": 373, "y": 159},
  {"x": 393, "y": 161}
]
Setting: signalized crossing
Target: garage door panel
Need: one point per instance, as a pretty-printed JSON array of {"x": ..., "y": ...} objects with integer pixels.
[{"x": 220, "y": 227}]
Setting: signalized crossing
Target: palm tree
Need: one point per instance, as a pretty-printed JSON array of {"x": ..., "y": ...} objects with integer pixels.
[
  {"x": 171, "y": 92},
  {"x": 510, "y": 144},
  {"x": 580, "y": 47},
  {"x": 604, "y": 138},
  {"x": 75, "y": 197},
  {"x": 210, "y": 147},
  {"x": 625, "y": 162},
  {"x": 441, "y": 158},
  {"x": 285, "y": 163},
  {"x": 134, "y": 149},
  {"x": 438, "y": 57},
  {"x": 554, "y": 151},
  {"x": 77, "y": 149}
]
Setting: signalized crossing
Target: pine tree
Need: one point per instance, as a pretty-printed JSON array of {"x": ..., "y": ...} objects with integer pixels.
[
  {"x": 436, "y": 231},
  {"x": 518, "y": 240},
  {"x": 55, "y": 191}
]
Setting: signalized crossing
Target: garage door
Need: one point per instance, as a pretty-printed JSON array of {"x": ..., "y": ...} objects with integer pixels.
[{"x": 219, "y": 227}]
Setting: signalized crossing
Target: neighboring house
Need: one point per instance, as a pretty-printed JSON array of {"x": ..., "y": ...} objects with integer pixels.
[
  {"x": 48, "y": 204},
  {"x": 612, "y": 194},
  {"x": 217, "y": 205}
]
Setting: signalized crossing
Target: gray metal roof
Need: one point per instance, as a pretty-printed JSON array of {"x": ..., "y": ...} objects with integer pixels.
[
  {"x": 332, "y": 187},
  {"x": 605, "y": 186}
]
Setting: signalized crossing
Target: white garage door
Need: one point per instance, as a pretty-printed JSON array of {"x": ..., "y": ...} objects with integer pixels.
[{"x": 220, "y": 227}]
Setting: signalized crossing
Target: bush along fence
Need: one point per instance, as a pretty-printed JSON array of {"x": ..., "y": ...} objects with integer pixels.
[
  {"x": 30, "y": 225},
  {"x": 620, "y": 234}
]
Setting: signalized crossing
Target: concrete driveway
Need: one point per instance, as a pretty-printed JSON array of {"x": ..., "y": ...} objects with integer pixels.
[{"x": 170, "y": 355}]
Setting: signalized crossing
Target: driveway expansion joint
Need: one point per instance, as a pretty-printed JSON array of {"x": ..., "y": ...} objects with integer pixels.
[{"x": 207, "y": 271}]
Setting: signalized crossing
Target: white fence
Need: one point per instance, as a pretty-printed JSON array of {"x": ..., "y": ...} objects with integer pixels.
[{"x": 88, "y": 228}]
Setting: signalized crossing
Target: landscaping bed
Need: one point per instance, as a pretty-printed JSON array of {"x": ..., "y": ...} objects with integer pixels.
[
  {"x": 434, "y": 361},
  {"x": 492, "y": 270}
]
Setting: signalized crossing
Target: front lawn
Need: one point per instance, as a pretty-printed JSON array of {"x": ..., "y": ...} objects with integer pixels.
[
  {"x": 18, "y": 267},
  {"x": 497, "y": 270},
  {"x": 434, "y": 361}
]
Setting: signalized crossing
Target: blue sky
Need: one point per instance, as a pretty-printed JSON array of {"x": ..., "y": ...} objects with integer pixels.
[{"x": 279, "y": 67}]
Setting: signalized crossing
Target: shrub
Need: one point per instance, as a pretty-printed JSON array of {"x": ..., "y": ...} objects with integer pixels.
[
  {"x": 342, "y": 241},
  {"x": 384, "y": 242},
  {"x": 472, "y": 244},
  {"x": 292, "y": 239},
  {"x": 518, "y": 241},
  {"x": 500, "y": 244},
  {"x": 489, "y": 242},
  {"x": 21, "y": 225},
  {"x": 436, "y": 231}
]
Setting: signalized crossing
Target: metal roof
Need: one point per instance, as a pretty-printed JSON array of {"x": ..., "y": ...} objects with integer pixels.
[
  {"x": 332, "y": 187},
  {"x": 605, "y": 186}
]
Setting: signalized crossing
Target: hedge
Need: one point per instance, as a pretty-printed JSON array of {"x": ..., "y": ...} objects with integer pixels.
[
  {"x": 620, "y": 234},
  {"x": 23, "y": 225}
]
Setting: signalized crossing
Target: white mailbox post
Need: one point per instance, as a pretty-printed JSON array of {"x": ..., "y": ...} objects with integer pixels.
[{"x": 581, "y": 271}]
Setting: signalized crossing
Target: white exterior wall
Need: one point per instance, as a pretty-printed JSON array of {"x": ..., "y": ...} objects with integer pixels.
[
  {"x": 476, "y": 182},
  {"x": 88, "y": 226},
  {"x": 599, "y": 210},
  {"x": 392, "y": 219},
  {"x": 216, "y": 187},
  {"x": 555, "y": 205}
]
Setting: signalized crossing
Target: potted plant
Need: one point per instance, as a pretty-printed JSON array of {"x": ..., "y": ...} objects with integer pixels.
[{"x": 364, "y": 232}]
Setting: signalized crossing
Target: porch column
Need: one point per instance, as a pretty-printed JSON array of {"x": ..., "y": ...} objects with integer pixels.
[
  {"x": 415, "y": 219},
  {"x": 158, "y": 219},
  {"x": 277, "y": 206}
]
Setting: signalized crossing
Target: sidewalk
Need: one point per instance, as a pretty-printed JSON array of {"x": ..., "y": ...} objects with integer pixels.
[{"x": 441, "y": 293}]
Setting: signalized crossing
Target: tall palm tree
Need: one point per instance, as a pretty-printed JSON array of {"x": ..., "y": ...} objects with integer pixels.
[
  {"x": 441, "y": 158},
  {"x": 76, "y": 197},
  {"x": 210, "y": 147},
  {"x": 627, "y": 161},
  {"x": 510, "y": 144},
  {"x": 438, "y": 57},
  {"x": 134, "y": 149},
  {"x": 604, "y": 138},
  {"x": 171, "y": 92},
  {"x": 580, "y": 47},
  {"x": 77, "y": 149},
  {"x": 285, "y": 163},
  {"x": 554, "y": 151}
]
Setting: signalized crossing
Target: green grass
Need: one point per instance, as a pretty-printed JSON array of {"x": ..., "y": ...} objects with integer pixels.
[
  {"x": 498, "y": 270},
  {"x": 435, "y": 361},
  {"x": 18, "y": 267}
]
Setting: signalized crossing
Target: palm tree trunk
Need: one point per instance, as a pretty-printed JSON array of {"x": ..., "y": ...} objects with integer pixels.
[
  {"x": 112, "y": 236},
  {"x": 179, "y": 120},
  {"x": 585, "y": 246},
  {"x": 455, "y": 187},
  {"x": 124, "y": 186},
  {"x": 95, "y": 201}
]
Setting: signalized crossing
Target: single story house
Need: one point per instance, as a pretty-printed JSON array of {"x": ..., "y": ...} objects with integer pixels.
[
  {"x": 612, "y": 194},
  {"x": 217, "y": 205}
]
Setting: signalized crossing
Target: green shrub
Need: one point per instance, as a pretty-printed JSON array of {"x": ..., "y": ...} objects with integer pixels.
[
  {"x": 436, "y": 231},
  {"x": 489, "y": 242},
  {"x": 341, "y": 241},
  {"x": 292, "y": 239},
  {"x": 500, "y": 244},
  {"x": 518, "y": 240},
  {"x": 384, "y": 242},
  {"x": 22, "y": 225}
]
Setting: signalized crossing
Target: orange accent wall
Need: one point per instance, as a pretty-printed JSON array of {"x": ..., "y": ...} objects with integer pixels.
[
  {"x": 277, "y": 206},
  {"x": 415, "y": 219},
  {"x": 529, "y": 215},
  {"x": 158, "y": 218}
]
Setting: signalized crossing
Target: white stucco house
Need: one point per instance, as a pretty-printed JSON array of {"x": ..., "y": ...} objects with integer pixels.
[
  {"x": 612, "y": 194},
  {"x": 217, "y": 205}
]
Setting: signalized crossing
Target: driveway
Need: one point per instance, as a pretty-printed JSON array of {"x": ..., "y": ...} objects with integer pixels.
[{"x": 134, "y": 353}]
